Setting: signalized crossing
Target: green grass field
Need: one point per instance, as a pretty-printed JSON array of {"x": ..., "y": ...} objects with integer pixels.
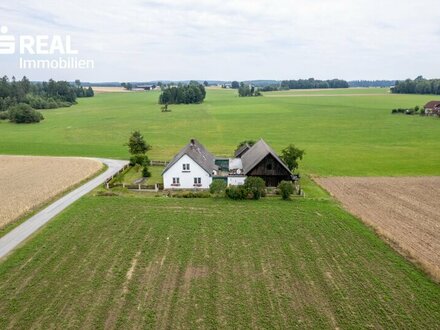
[
  {"x": 155, "y": 262},
  {"x": 342, "y": 135},
  {"x": 138, "y": 261}
]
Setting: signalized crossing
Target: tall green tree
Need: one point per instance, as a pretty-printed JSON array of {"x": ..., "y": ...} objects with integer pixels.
[
  {"x": 137, "y": 144},
  {"x": 89, "y": 92},
  {"x": 290, "y": 155},
  {"x": 138, "y": 147},
  {"x": 242, "y": 143}
]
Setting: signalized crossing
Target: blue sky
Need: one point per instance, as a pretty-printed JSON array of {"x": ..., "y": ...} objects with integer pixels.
[{"x": 234, "y": 40}]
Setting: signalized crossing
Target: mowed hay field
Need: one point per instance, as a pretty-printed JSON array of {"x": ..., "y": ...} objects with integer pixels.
[
  {"x": 27, "y": 182},
  {"x": 149, "y": 262},
  {"x": 353, "y": 135},
  {"x": 404, "y": 210}
]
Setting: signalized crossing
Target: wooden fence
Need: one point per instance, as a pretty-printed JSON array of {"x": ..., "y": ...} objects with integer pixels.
[
  {"x": 107, "y": 182},
  {"x": 136, "y": 187},
  {"x": 158, "y": 163}
]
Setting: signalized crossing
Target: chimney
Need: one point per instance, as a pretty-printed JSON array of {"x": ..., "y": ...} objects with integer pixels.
[{"x": 193, "y": 142}]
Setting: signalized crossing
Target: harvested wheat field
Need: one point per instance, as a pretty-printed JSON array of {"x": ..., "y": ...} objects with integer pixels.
[
  {"x": 406, "y": 211},
  {"x": 115, "y": 89},
  {"x": 27, "y": 182}
]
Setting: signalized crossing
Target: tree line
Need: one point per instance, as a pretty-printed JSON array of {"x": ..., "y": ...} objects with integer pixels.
[
  {"x": 419, "y": 85},
  {"x": 187, "y": 94},
  {"x": 371, "y": 83},
  {"x": 41, "y": 95},
  {"x": 313, "y": 83},
  {"x": 20, "y": 98}
]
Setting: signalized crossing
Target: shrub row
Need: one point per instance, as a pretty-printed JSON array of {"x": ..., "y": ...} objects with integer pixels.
[
  {"x": 22, "y": 114},
  {"x": 191, "y": 194},
  {"x": 408, "y": 111},
  {"x": 38, "y": 102}
]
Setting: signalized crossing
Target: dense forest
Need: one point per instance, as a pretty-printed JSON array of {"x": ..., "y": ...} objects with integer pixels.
[
  {"x": 371, "y": 83},
  {"x": 419, "y": 85},
  {"x": 187, "y": 94},
  {"x": 44, "y": 95}
]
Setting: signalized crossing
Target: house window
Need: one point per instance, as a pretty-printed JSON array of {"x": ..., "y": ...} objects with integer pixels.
[
  {"x": 269, "y": 166},
  {"x": 176, "y": 181},
  {"x": 185, "y": 167},
  {"x": 197, "y": 182}
]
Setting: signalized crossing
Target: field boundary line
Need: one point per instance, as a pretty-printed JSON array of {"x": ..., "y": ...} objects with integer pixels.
[{"x": 23, "y": 231}]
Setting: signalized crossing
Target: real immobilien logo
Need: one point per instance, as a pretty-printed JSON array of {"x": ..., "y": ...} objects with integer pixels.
[{"x": 43, "y": 46}]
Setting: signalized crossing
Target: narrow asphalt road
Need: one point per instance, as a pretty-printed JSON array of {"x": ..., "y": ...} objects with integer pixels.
[{"x": 19, "y": 234}]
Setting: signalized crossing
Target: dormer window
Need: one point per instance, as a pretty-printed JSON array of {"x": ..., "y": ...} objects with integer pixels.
[{"x": 185, "y": 167}]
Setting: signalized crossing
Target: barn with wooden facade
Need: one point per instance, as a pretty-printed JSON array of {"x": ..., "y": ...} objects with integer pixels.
[{"x": 262, "y": 161}]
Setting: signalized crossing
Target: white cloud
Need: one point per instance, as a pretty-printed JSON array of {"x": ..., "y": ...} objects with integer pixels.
[{"x": 153, "y": 39}]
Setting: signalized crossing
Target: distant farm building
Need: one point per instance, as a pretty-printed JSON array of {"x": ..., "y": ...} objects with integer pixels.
[
  {"x": 146, "y": 87},
  {"x": 432, "y": 108},
  {"x": 195, "y": 167}
]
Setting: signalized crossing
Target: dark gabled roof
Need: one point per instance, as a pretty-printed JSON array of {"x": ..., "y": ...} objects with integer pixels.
[
  {"x": 240, "y": 151},
  {"x": 432, "y": 104},
  {"x": 197, "y": 153},
  {"x": 256, "y": 154}
]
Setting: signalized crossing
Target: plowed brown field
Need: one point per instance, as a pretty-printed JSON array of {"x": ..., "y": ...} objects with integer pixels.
[
  {"x": 404, "y": 210},
  {"x": 27, "y": 182}
]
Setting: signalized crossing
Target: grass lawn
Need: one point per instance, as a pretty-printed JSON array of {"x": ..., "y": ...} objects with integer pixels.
[
  {"x": 137, "y": 261},
  {"x": 342, "y": 135},
  {"x": 135, "y": 173}
]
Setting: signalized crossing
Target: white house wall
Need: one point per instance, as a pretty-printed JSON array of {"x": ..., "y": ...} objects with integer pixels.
[
  {"x": 186, "y": 177},
  {"x": 236, "y": 180}
]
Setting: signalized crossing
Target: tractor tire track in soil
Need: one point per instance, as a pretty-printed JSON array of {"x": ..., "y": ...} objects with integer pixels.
[{"x": 404, "y": 210}]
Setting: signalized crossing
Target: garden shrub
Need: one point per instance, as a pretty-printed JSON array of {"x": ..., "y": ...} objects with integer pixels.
[
  {"x": 217, "y": 187},
  {"x": 236, "y": 192},
  {"x": 145, "y": 172},
  {"x": 139, "y": 159},
  {"x": 255, "y": 186},
  {"x": 4, "y": 115},
  {"x": 192, "y": 194},
  {"x": 286, "y": 189}
]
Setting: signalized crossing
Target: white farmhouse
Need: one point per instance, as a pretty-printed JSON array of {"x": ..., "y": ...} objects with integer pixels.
[{"x": 192, "y": 168}]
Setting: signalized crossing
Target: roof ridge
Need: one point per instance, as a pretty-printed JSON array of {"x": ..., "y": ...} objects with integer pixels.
[{"x": 198, "y": 153}]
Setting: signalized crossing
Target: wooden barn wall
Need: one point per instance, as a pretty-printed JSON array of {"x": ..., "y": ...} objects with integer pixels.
[{"x": 273, "y": 176}]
